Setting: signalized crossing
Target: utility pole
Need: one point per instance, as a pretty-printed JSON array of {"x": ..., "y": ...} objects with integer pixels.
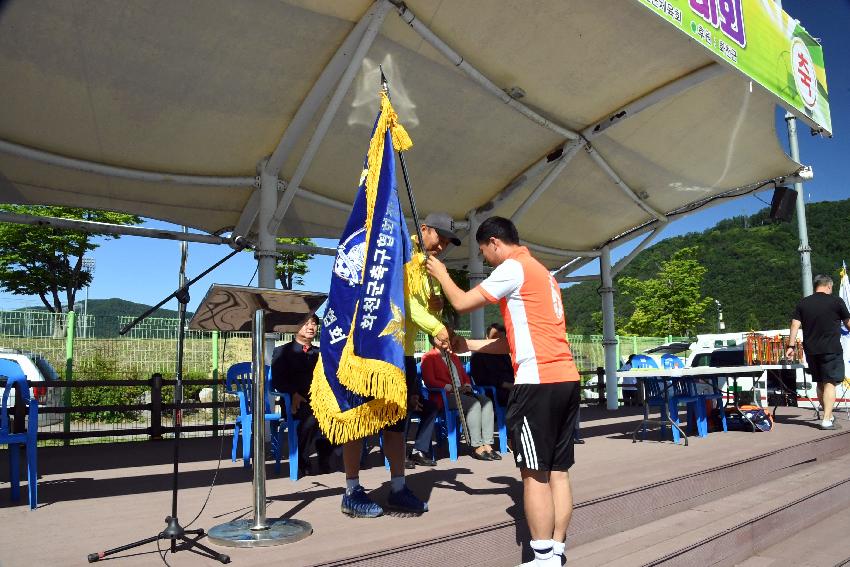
[
  {"x": 802, "y": 228},
  {"x": 88, "y": 267}
]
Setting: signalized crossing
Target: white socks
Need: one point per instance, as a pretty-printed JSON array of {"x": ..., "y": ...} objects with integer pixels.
[
  {"x": 544, "y": 553},
  {"x": 396, "y": 483},
  {"x": 558, "y": 548}
]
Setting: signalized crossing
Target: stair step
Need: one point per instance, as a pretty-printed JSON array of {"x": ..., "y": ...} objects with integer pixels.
[
  {"x": 731, "y": 528},
  {"x": 822, "y": 544}
]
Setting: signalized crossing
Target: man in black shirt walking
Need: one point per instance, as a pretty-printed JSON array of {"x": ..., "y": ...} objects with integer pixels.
[
  {"x": 292, "y": 372},
  {"x": 820, "y": 315}
]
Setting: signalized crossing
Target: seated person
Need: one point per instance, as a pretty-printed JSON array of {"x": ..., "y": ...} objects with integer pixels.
[
  {"x": 292, "y": 372},
  {"x": 494, "y": 369},
  {"x": 427, "y": 412},
  {"x": 629, "y": 385},
  {"x": 477, "y": 409}
]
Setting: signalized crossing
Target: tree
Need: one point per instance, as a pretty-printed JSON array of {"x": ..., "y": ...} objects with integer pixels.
[
  {"x": 672, "y": 302},
  {"x": 46, "y": 261},
  {"x": 291, "y": 266}
]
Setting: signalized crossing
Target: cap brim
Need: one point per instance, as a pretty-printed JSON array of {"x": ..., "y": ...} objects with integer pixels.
[{"x": 451, "y": 236}]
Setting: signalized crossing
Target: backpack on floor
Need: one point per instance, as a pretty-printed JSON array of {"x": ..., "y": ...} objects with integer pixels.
[{"x": 760, "y": 418}]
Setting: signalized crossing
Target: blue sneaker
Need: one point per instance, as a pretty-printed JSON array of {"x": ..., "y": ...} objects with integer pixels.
[
  {"x": 405, "y": 501},
  {"x": 357, "y": 504}
]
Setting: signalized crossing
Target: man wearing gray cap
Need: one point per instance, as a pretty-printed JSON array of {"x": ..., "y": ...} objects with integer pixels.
[{"x": 422, "y": 311}]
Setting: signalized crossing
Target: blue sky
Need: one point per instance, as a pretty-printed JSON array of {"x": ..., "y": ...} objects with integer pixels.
[{"x": 145, "y": 269}]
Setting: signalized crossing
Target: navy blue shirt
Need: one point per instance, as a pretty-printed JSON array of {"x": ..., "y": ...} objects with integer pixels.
[
  {"x": 821, "y": 315},
  {"x": 292, "y": 368}
]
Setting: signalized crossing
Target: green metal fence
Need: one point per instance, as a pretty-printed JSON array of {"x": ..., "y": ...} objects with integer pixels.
[{"x": 93, "y": 350}]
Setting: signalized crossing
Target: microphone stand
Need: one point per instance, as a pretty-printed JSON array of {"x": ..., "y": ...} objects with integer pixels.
[{"x": 178, "y": 535}]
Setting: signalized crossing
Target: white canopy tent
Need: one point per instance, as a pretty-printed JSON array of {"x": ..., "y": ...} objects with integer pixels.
[{"x": 587, "y": 123}]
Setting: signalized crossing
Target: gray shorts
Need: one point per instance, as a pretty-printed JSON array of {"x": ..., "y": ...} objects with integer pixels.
[{"x": 826, "y": 367}]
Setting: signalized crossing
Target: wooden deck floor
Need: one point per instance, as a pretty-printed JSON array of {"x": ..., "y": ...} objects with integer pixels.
[{"x": 100, "y": 496}]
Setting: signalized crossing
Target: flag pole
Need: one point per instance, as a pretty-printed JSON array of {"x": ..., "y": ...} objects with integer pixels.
[{"x": 446, "y": 358}]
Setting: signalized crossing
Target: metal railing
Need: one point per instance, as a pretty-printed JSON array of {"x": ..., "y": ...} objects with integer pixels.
[{"x": 199, "y": 418}]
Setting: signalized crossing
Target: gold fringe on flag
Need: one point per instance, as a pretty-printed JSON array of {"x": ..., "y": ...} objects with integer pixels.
[{"x": 344, "y": 426}]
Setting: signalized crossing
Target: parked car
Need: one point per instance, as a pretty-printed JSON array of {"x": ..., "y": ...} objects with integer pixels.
[{"x": 37, "y": 369}]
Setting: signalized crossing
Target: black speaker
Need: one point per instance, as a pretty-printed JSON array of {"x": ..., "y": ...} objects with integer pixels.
[{"x": 783, "y": 203}]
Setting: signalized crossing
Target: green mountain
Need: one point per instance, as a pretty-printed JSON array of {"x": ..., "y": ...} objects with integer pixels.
[
  {"x": 108, "y": 312},
  {"x": 753, "y": 268},
  {"x": 115, "y": 307}
]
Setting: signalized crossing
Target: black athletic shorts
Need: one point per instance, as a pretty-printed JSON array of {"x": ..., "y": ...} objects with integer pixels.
[
  {"x": 540, "y": 419},
  {"x": 826, "y": 367},
  {"x": 412, "y": 379}
]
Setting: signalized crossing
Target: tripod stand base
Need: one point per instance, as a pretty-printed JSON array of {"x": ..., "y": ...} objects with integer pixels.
[
  {"x": 238, "y": 533},
  {"x": 179, "y": 541}
]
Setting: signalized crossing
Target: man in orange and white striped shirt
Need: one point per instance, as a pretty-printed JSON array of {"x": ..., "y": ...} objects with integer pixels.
[{"x": 543, "y": 405}]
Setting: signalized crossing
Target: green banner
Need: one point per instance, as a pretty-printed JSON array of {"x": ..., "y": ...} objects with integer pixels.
[{"x": 763, "y": 42}]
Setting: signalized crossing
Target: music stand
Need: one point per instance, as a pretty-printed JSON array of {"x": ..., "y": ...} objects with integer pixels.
[{"x": 261, "y": 311}]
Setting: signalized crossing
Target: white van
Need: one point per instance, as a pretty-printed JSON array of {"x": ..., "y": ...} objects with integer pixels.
[
  {"x": 773, "y": 386},
  {"x": 37, "y": 369}
]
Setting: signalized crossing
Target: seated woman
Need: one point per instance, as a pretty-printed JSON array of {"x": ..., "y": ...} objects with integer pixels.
[
  {"x": 494, "y": 369},
  {"x": 477, "y": 409}
]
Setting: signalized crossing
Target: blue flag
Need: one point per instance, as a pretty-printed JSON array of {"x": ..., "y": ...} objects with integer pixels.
[{"x": 359, "y": 382}]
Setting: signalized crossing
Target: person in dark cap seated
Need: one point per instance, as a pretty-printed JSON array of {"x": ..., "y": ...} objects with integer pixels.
[{"x": 292, "y": 372}]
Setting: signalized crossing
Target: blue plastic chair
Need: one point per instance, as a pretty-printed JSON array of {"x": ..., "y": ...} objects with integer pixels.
[
  {"x": 654, "y": 397},
  {"x": 447, "y": 421},
  {"x": 684, "y": 392},
  {"x": 670, "y": 361},
  {"x": 498, "y": 409},
  {"x": 643, "y": 361},
  {"x": 653, "y": 392},
  {"x": 15, "y": 378},
  {"x": 291, "y": 429},
  {"x": 716, "y": 394},
  {"x": 239, "y": 381}
]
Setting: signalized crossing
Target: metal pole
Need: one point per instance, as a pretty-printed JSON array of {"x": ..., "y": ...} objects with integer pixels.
[
  {"x": 609, "y": 339},
  {"x": 476, "y": 276},
  {"x": 259, "y": 439},
  {"x": 70, "y": 327},
  {"x": 215, "y": 336},
  {"x": 802, "y": 229}
]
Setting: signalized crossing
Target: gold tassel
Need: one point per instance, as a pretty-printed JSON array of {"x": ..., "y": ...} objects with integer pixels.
[
  {"x": 356, "y": 423},
  {"x": 416, "y": 280}
]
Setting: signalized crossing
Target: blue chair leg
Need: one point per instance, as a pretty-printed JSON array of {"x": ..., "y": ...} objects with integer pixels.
[
  {"x": 451, "y": 435},
  {"x": 381, "y": 444},
  {"x": 503, "y": 430},
  {"x": 246, "y": 440},
  {"x": 673, "y": 412},
  {"x": 32, "y": 477},
  {"x": 274, "y": 439},
  {"x": 15, "y": 471},
  {"x": 292, "y": 439},
  {"x": 235, "y": 444},
  {"x": 722, "y": 411}
]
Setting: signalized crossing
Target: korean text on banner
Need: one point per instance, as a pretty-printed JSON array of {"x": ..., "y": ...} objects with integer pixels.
[{"x": 761, "y": 41}]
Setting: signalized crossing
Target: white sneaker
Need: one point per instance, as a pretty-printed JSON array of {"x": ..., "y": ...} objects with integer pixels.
[
  {"x": 827, "y": 424},
  {"x": 555, "y": 561}
]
